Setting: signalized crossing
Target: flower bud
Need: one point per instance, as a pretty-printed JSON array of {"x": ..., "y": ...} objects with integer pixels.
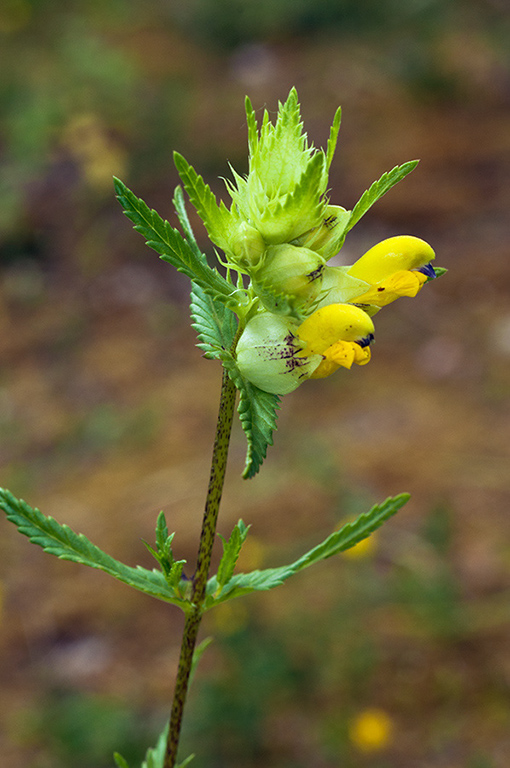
[
  {"x": 292, "y": 271},
  {"x": 248, "y": 246},
  {"x": 328, "y": 237}
]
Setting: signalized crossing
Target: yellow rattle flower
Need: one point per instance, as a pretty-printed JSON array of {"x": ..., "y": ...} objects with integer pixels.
[
  {"x": 398, "y": 266},
  {"x": 278, "y": 353},
  {"x": 341, "y": 333}
]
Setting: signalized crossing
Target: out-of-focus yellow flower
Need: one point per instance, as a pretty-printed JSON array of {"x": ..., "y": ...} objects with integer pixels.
[
  {"x": 252, "y": 555},
  {"x": 372, "y": 730},
  {"x": 229, "y": 618},
  {"x": 364, "y": 548},
  {"x": 99, "y": 155}
]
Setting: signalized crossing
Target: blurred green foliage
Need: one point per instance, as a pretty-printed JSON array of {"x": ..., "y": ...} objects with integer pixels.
[{"x": 83, "y": 730}]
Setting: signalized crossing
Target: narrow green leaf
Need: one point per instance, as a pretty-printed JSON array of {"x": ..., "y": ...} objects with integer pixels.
[
  {"x": 197, "y": 655},
  {"x": 251, "y": 120},
  {"x": 185, "y": 762},
  {"x": 257, "y": 412},
  {"x": 333, "y": 137},
  {"x": 180, "y": 209},
  {"x": 155, "y": 756},
  {"x": 162, "y": 534},
  {"x": 64, "y": 543},
  {"x": 120, "y": 761},
  {"x": 345, "y": 538},
  {"x": 171, "y": 246},
  {"x": 231, "y": 551},
  {"x": 214, "y": 323},
  {"x": 378, "y": 189},
  {"x": 351, "y": 534}
]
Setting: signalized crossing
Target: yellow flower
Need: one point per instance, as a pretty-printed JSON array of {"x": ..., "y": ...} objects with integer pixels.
[
  {"x": 398, "y": 266},
  {"x": 278, "y": 353},
  {"x": 341, "y": 333},
  {"x": 371, "y": 730}
]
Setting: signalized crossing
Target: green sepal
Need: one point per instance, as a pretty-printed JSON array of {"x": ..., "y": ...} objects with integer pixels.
[
  {"x": 440, "y": 271},
  {"x": 171, "y": 568},
  {"x": 378, "y": 189},
  {"x": 345, "y": 538},
  {"x": 64, "y": 543},
  {"x": 231, "y": 551},
  {"x": 258, "y": 414},
  {"x": 278, "y": 303},
  {"x": 221, "y": 223},
  {"x": 172, "y": 247},
  {"x": 215, "y": 324}
]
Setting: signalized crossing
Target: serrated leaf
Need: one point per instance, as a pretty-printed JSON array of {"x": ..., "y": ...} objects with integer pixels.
[
  {"x": 221, "y": 224},
  {"x": 257, "y": 412},
  {"x": 215, "y": 324},
  {"x": 231, "y": 551},
  {"x": 378, "y": 189},
  {"x": 171, "y": 245},
  {"x": 349, "y": 535},
  {"x": 64, "y": 543}
]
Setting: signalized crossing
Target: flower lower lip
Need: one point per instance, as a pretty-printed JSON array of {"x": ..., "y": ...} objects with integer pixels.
[{"x": 428, "y": 270}]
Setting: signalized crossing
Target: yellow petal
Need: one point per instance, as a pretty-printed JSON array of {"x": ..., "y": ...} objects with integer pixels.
[
  {"x": 400, "y": 283},
  {"x": 389, "y": 256},
  {"x": 335, "y": 322},
  {"x": 341, "y": 354}
]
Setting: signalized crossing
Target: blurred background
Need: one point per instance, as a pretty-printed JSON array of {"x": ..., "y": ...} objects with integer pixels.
[{"x": 397, "y": 655}]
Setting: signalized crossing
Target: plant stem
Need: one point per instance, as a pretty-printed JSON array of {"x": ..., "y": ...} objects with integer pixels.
[{"x": 207, "y": 537}]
